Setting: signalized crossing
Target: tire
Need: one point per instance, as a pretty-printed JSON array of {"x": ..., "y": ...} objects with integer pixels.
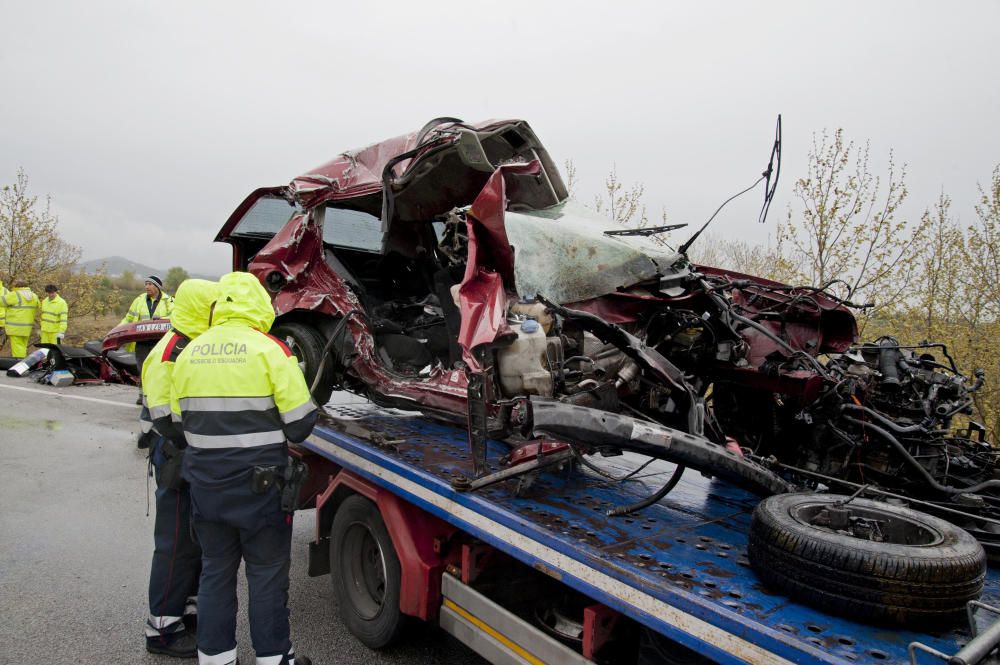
[
  {"x": 307, "y": 345},
  {"x": 365, "y": 573},
  {"x": 926, "y": 571}
]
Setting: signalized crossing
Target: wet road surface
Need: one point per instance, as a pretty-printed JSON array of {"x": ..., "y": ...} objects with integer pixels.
[{"x": 75, "y": 543}]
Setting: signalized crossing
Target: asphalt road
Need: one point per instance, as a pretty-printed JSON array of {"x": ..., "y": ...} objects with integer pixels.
[{"x": 76, "y": 541}]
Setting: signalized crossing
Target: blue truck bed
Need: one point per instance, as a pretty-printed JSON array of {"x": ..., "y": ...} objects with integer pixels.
[{"x": 678, "y": 567}]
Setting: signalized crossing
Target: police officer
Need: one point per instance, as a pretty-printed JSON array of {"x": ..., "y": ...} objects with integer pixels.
[
  {"x": 240, "y": 396},
  {"x": 176, "y": 565}
]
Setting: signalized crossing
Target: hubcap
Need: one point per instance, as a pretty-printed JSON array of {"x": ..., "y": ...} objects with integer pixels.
[
  {"x": 364, "y": 570},
  {"x": 864, "y": 522},
  {"x": 294, "y": 348}
]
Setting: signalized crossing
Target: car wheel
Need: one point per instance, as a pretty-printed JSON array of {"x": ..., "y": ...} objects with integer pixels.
[
  {"x": 307, "y": 345},
  {"x": 366, "y": 574},
  {"x": 864, "y": 559}
]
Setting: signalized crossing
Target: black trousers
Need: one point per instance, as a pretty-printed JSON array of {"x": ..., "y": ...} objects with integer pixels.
[
  {"x": 176, "y": 566},
  {"x": 266, "y": 549},
  {"x": 142, "y": 350}
]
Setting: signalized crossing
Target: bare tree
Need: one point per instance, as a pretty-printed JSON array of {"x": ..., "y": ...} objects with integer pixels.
[
  {"x": 32, "y": 249},
  {"x": 571, "y": 179},
  {"x": 844, "y": 224},
  {"x": 622, "y": 204}
]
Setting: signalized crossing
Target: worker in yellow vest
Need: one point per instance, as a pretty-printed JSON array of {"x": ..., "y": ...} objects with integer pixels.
[
  {"x": 55, "y": 316},
  {"x": 3, "y": 311},
  {"x": 152, "y": 304},
  {"x": 22, "y": 307}
]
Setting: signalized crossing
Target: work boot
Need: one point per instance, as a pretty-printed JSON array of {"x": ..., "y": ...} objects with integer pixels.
[
  {"x": 190, "y": 617},
  {"x": 190, "y": 623},
  {"x": 177, "y": 645},
  {"x": 303, "y": 660}
]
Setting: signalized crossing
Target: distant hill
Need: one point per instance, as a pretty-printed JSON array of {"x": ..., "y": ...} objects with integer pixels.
[{"x": 116, "y": 266}]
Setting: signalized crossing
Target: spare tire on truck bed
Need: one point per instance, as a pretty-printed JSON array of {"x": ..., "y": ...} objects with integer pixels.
[{"x": 867, "y": 560}]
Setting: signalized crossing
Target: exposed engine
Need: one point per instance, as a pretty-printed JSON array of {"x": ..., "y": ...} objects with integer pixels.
[
  {"x": 749, "y": 380},
  {"x": 879, "y": 414},
  {"x": 895, "y": 422}
]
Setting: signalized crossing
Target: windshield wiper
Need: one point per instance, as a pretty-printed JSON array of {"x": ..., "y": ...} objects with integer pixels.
[
  {"x": 770, "y": 186},
  {"x": 645, "y": 231}
]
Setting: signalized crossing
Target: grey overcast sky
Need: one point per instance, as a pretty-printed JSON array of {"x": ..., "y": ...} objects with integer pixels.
[{"x": 147, "y": 122}]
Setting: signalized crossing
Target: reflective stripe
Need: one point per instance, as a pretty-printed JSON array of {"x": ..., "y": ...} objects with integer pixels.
[
  {"x": 224, "y": 658},
  {"x": 175, "y": 417},
  {"x": 231, "y": 423},
  {"x": 9, "y": 324},
  {"x": 271, "y": 660},
  {"x": 253, "y": 440},
  {"x": 226, "y": 403},
  {"x": 298, "y": 412},
  {"x": 156, "y": 626},
  {"x": 161, "y": 411},
  {"x": 22, "y": 307}
]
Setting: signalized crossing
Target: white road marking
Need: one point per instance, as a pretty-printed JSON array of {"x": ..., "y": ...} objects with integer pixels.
[{"x": 86, "y": 399}]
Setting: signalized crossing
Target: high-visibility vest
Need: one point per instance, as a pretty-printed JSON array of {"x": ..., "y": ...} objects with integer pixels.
[
  {"x": 139, "y": 310},
  {"x": 55, "y": 315},
  {"x": 238, "y": 393},
  {"x": 3, "y": 307},
  {"x": 22, "y": 307},
  {"x": 192, "y": 308}
]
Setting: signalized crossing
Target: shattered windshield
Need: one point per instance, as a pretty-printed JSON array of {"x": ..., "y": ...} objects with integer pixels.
[{"x": 563, "y": 254}]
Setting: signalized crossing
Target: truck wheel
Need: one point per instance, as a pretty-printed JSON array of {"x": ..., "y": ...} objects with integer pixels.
[
  {"x": 307, "y": 345},
  {"x": 365, "y": 573},
  {"x": 865, "y": 559}
]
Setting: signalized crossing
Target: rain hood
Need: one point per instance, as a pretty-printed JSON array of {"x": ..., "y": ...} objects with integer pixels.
[
  {"x": 242, "y": 298},
  {"x": 193, "y": 305}
]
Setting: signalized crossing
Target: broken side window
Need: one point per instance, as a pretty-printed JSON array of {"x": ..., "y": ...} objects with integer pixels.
[
  {"x": 267, "y": 216},
  {"x": 352, "y": 229}
]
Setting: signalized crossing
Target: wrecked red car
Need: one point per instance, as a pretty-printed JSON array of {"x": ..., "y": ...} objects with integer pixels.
[{"x": 448, "y": 271}]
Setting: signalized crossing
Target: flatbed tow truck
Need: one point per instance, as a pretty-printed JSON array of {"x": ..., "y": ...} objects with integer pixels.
[{"x": 542, "y": 574}]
